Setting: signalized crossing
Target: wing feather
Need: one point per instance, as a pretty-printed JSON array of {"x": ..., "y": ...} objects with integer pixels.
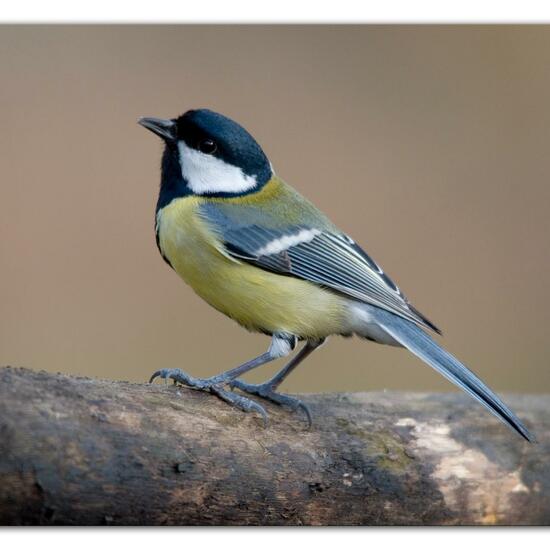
[{"x": 316, "y": 254}]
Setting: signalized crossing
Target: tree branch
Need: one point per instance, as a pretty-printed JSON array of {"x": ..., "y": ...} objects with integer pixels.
[{"x": 87, "y": 452}]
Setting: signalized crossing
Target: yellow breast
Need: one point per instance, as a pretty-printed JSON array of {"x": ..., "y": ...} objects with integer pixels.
[{"x": 259, "y": 300}]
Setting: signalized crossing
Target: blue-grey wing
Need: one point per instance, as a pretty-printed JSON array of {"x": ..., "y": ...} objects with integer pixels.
[{"x": 314, "y": 253}]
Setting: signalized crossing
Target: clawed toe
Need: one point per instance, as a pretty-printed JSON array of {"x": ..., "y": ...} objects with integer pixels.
[
  {"x": 243, "y": 403},
  {"x": 266, "y": 392},
  {"x": 213, "y": 385},
  {"x": 156, "y": 374},
  {"x": 177, "y": 375},
  {"x": 282, "y": 343}
]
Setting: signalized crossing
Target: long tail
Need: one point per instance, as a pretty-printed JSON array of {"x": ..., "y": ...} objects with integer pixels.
[{"x": 423, "y": 346}]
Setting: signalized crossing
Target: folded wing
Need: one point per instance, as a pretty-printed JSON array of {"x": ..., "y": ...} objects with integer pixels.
[{"x": 314, "y": 253}]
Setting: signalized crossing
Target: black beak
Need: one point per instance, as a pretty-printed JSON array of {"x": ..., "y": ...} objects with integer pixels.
[{"x": 166, "y": 129}]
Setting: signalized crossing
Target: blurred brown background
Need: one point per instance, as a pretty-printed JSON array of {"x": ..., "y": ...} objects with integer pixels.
[{"x": 429, "y": 145}]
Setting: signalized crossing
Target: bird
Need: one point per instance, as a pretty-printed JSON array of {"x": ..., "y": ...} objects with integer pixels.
[{"x": 262, "y": 254}]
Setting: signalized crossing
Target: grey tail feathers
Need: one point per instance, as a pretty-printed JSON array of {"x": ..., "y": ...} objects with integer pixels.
[{"x": 424, "y": 347}]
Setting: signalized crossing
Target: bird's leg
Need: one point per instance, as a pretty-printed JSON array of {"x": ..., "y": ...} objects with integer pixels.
[
  {"x": 281, "y": 345},
  {"x": 267, "y": 389}
]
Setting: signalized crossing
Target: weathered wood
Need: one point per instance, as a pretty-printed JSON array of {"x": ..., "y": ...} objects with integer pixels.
[{"x": 83, "y": 451}]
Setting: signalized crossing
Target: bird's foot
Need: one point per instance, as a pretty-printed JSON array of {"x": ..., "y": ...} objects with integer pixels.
[
  {"x": 267, "y": 391},
  {"x": 214, "y": 385}
]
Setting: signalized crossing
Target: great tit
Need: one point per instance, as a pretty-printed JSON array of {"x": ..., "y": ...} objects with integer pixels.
[{"x": 259, "y": 252}]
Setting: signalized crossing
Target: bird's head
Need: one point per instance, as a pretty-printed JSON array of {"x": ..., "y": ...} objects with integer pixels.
[{"x": 209, "y": 154}]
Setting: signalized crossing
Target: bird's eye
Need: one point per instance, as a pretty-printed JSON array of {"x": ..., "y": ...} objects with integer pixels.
[{"x": 207, "y": 146}]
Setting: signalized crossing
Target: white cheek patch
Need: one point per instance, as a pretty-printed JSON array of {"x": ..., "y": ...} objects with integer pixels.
[
  {"x": 207, "y": 174},
  {"x": 285, "y": 242}
]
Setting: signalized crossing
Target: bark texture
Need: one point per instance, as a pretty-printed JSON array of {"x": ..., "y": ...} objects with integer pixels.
[{"x": 87, "y": 452}]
